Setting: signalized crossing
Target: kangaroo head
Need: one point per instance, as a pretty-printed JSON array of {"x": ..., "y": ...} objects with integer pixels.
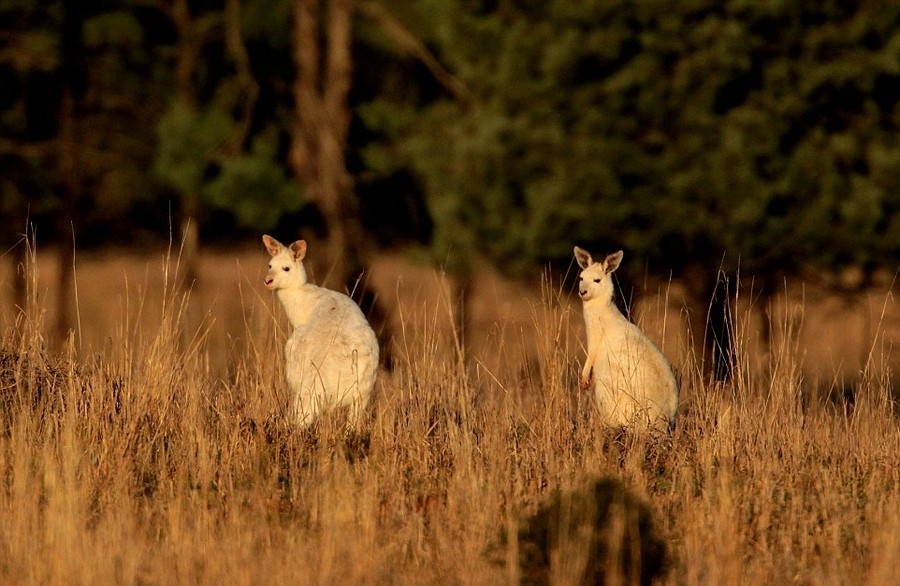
[
  {"x": 286, "y": 267},
  {"x": 595, "y": 281}
]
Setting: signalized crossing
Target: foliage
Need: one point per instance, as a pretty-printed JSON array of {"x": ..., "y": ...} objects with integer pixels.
[
  {"x": 29, "y": 54},
  {"x": 250, "y": 185},
  {"x": 114, "y": 71},
  {"x": 138, "y": 143},
  {"x": 765, "y": 132},
  {"x": 212, "y": 142},
  {"x": 254, "y": 187},
  {"x": 187, "y": 140}
]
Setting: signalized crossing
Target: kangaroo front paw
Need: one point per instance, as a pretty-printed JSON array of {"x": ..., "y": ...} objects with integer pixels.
[{"x": 585, "y": 382}]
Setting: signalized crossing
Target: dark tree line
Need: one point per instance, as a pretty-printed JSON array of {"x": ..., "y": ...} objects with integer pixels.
[{"x": 702, "y": 136}]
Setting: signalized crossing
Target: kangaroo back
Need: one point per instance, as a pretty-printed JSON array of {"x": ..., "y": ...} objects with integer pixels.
[{"x": 331, "y": 357}]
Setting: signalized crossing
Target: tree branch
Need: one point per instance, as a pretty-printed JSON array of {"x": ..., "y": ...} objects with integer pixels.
[
  {"x": 411, "y": 45},
  {"x": 247, "y": 84}
]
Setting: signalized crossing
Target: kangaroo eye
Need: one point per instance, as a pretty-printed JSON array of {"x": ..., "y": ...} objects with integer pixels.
[
  {"x": 596, "y": 280},
  {"x": 285, "y": 269}
]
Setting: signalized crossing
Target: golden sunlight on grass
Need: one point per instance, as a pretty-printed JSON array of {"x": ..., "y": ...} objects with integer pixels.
[{"x": 152, "y": 448}]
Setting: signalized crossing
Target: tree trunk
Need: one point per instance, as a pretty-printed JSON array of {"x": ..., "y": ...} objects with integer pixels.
[
  {"x": 461, "y": 303},
  {"x": 320, "y": 133},
  {"x": 338, "y": 204},
  {"x": 20, "y": 276},
  {"x": 187, "y": 53},
  {"x": 20, "y": 264},
  {"x": 720, "y": 330},
  {"x": 322, "y": 120},
  {"x": 190, "y": 242},
  {"x": 712, "y": 322},
  {"x": 248, "y": 87},
  {"x": 67, "y": 162}
]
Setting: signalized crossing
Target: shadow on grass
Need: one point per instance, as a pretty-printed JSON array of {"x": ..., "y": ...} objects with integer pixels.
[{"x": 595, "y": 535}]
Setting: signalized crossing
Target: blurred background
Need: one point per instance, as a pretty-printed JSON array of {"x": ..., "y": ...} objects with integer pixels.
[{"x": 717, "y": 142}]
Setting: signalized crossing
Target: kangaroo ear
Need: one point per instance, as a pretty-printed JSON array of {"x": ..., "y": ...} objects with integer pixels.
[
  {"x": 272, "y": 245},
  {"x": 298, "y": 249},
  {"x": 613, "y": 261},
  {"x": 583, "y": 258}
]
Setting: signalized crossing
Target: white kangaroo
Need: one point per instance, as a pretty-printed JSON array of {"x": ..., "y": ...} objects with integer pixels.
[
  {"x": 331, "y": 357},
  {"x": 633, "y": 382}
]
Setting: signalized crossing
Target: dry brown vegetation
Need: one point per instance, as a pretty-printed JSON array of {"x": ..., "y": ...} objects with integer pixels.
[{"x": 150, "y": 448}]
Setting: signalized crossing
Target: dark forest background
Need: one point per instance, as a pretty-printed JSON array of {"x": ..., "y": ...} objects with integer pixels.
[{"x": 701, "y": 136}]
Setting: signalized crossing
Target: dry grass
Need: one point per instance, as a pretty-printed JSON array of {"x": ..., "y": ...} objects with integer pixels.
[{"x": 151, "y": 449}]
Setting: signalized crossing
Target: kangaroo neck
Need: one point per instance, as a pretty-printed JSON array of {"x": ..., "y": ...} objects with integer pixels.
[
  {"x": 298, "y": 303},
  {"x": 601, "y": 310}
]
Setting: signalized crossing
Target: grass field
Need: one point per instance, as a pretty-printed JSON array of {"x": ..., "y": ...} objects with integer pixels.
[{"x": 150, "y": 449}]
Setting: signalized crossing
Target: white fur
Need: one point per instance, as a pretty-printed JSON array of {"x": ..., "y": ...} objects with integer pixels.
[
  {"x": 331, "y": 358},
  {"x": 633, "y": 382}
]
